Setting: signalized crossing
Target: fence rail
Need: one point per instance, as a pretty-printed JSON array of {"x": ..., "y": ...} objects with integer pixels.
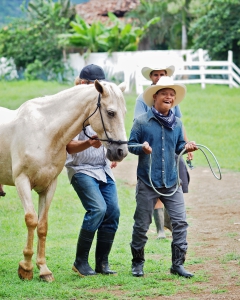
[
  {"x": 199, "y": 69},
  {"x": 190, "y": 67}
]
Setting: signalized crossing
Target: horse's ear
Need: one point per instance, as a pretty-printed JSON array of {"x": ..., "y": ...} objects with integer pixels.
[
  {"x": 99, "y": 87},
  {"x": 122, "y": 86}
]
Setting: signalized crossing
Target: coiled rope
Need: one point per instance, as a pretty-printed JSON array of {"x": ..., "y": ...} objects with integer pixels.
[{"x": 178, "y": 161}]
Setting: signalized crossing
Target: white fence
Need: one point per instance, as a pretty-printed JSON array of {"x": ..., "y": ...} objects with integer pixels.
[
  {"x": 199, "y": 69},
  {"x": 190, "y": 67}
]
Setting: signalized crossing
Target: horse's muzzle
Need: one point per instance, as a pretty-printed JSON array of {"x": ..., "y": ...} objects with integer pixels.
[{"x": 117, "y": 152}]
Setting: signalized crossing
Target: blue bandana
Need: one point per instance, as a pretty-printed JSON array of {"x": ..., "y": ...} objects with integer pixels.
[{"x": 168, "y": 121}]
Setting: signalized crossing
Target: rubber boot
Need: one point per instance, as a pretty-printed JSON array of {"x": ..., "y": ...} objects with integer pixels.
[
  {"x": 103, "y": 248},
  {"x": 167, "y": 221},
  {"x": 137, "y": 262},
  {"x": 178, "y": 259},
  {"x": 159, "y": 222},
  {"x": 2, "y": 193},
  {"x": 81, "y": 265}
]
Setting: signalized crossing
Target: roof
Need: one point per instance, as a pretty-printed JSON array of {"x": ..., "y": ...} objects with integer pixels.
[{"x": 96, "y": 10}]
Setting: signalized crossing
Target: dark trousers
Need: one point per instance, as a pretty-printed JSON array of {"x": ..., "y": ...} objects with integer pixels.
[{"x": 146, "y": 199}]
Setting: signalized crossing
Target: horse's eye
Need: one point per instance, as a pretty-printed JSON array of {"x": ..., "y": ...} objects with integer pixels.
[{"x": 111, "y": 113}]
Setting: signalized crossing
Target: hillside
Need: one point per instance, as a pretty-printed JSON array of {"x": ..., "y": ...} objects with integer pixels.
[{"x": 12, "y": 9}]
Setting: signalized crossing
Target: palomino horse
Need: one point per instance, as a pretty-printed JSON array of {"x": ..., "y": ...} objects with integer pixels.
[{"x": 33, "y": 150}]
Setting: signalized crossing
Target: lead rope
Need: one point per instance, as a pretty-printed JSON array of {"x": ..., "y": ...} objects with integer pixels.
[{"x": 178, "y": 160}]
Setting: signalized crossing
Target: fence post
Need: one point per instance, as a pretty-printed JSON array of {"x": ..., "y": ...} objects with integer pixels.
[
  {"x": 202, "y": 75},
  {"x": 230, "y": 69},
  {"x": 139, "y": 86}
]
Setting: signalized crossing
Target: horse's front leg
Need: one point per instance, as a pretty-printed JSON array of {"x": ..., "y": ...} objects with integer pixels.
[
  {"x": 45, "y": 199},
  {"x": 25, "y": 270}
]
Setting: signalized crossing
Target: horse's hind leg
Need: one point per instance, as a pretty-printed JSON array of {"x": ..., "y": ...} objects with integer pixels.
[
  {"x": 25, "y": 270},
  {"x": 45, "y": 199}
]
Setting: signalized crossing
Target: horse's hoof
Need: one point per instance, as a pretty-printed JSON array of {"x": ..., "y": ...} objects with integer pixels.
[
  {"x": 25, "y": 274},
  {"x": 2, "y": 194},
  {"x": 47, "y": 278}
]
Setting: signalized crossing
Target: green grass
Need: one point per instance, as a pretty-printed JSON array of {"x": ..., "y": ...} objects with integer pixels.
[
  {"x": 204, "y": 111},
  {"x": 13, "y": 94},
  {"x": 65, "y": 217}
]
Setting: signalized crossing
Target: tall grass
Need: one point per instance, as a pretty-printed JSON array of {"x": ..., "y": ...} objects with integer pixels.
[{"x": 210, "y": 117}]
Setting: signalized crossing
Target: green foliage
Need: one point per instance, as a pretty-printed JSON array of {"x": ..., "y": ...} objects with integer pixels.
[
  {"x": 101, "y": 38},
  {"x": 49, "y": 11},
  {"x": 10, "y": 10},
  {"x": 88, "y": 38},
  {"x": 218, "y": 30},
  {"x": 126, "y": 37},
  {"x": 167, "y": 33},
  {"x": 33, "y": 43}
]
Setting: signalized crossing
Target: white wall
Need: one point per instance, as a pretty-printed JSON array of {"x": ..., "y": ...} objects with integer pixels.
[
  {"x": 123, "y": 66},
  {"x": 190, "y": 67}
]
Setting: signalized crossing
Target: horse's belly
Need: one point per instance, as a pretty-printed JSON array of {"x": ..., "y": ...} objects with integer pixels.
[{"x": 5, "y": 166}]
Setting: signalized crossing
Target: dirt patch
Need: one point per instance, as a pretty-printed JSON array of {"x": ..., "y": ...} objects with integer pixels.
[{"x": 213, "y": 210}]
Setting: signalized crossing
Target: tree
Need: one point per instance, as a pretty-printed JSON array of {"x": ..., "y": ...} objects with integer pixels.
[
  {"x": 171, "y": 32},
  {"x": 33, "y": 43},
  {"x": 48, "y": 11},
  {"x": 87, "y": 38},
  {"x": 114, "y": 36},
  {"x": 180, "y": 11},
  {"x": 218, "y": 30},
  {"x": 125, "y": 37}
]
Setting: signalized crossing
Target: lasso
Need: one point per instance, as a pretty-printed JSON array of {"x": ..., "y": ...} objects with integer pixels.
[{"x": 178, "y": 160}]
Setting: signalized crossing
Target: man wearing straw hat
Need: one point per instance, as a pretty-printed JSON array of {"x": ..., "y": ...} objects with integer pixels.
[
  {"x": 160, "y": 215},
  {"x": 160, "y": 133}
]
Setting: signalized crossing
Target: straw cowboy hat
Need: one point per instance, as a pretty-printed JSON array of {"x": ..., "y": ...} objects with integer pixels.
[
  {"x": 147, "y": 70},
  {"x": 164, "y": 82}
]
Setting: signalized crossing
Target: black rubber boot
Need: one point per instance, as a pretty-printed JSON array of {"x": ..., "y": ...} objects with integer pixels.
[
  {"x": 81, "y": 265},
  {"x": 2, "y": 193},
  {"x": 103, "y": 248},
  {"x": 167, "y": 221},
  {"x": 137, "y": 262},
  {"x": 159, "y": 222},
  {"x": 178, "y": 258}
]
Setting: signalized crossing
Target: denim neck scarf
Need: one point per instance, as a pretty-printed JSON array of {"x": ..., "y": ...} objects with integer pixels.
[{"x": 168, "y": 121}]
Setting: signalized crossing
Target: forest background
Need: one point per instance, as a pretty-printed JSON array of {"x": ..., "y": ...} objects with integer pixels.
[{"x": 39, "y": 36}]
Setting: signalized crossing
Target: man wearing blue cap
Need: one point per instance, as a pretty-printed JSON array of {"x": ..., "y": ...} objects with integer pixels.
[{"x": 90, "y": 174}]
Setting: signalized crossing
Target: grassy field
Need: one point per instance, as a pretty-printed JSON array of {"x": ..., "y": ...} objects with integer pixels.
[{"x": 211, "y": 118}]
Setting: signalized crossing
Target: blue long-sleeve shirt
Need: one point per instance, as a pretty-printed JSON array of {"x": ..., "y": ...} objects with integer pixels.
[{"x": 165, "y": 142}]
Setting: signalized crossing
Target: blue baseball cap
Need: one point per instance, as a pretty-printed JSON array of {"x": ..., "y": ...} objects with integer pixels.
[{"x": 92, "y": 72}]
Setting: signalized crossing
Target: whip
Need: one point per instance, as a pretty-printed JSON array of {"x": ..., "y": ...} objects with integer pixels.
[{"x": 178, "y": 160}]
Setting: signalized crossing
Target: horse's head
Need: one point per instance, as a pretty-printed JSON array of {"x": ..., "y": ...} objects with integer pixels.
[{"x": 109, "y": 122}]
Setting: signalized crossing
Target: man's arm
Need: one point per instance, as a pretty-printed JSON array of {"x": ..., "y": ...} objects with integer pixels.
[{"x": 76, "y": 146}]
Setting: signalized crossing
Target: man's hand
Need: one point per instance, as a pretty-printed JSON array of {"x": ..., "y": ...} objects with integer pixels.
[
  {"x": 191, "y": 146},
  {"x": 190, "y": 156},
  {"x": 113, "y": 164},
  {"x": 94, "y": 143},
  {"x": 146, "y": 148}
]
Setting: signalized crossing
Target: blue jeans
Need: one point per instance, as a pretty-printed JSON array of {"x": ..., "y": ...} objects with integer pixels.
[{"x": 100, "y": 201}]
